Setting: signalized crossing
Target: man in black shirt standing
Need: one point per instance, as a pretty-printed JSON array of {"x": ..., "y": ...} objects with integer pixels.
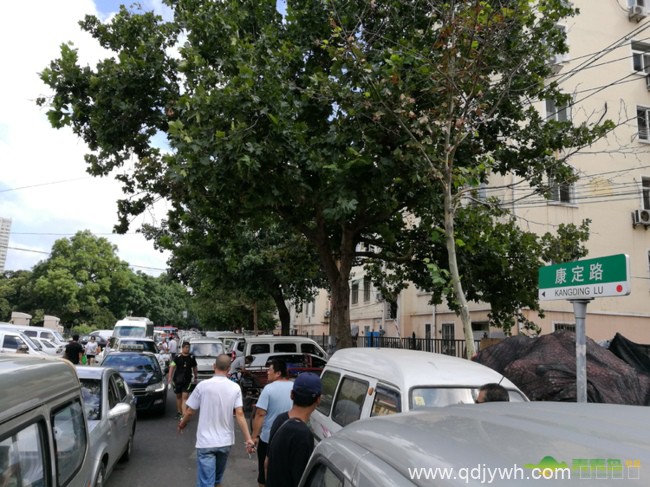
[
  {"x": 291, "y": 442},
  {"x": 181, "y": 370},
  {"x": 74, "y": 351}
]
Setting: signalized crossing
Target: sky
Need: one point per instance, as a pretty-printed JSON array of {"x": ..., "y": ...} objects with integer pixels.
[{"x": 44, "y": 186}]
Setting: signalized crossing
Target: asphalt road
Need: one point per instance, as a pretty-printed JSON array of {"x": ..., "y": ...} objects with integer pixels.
[{"x": 163, "y": 458}]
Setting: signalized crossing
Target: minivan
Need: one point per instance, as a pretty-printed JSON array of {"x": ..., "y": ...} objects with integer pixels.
[
  {"x": 43, "y": 429},
  {"x": 40, "y": 332},
  {"x": 205, "y": 351},
  {"x": 363, "y": 382},
  {"x": 254, "y": 345},
  {"x": 11, "y": 339}
]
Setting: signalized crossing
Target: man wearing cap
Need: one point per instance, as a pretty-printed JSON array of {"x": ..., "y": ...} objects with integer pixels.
[{"x": 291, "y": 442}]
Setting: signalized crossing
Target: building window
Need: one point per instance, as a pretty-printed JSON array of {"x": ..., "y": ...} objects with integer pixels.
[
  {"x": 643, "y": 123},
  {"x": 641, "y": 57},
  {"x": 565, "y": 327},
  {"x": 354, "y": 292},
  {"x": 557, "y": 112},
  {"x": 645, "y": 189},
  {"x": 561, "y": 192},
  {"x": 366, "y": 289}
]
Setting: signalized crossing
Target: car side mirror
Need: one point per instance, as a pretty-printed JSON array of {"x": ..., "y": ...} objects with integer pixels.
[{"x": 119, "y": 410}]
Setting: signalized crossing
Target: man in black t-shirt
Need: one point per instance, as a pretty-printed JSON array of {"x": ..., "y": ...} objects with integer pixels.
[
  {"x": 291, "y": 442},
  {"x": 181, "y": 370},
  {"x": 74, "y": 351}
]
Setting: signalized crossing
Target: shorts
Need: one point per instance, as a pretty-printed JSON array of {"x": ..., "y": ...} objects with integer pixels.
[
  {"x": 262, "y": 448},
  {"x": 90, "y": 356},
  {"x": 182, "y": 387}
]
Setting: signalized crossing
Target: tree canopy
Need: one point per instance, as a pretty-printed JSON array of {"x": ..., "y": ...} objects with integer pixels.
[{"x": 347, "y": 121}]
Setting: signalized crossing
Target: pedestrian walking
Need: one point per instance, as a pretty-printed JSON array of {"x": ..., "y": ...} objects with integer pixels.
[
  {"x": 173, "y": 347},
  {"x": 91, "y": 350},
  {"x": 291, "y": 442},
  {"x": 274, "y": 400},
  {"x": 183, "y": 372},
  {"x": 215, "y": 399},
  {"x": 74, "y": 352}
]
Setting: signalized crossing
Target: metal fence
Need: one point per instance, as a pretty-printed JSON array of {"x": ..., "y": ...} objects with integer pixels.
[{"x": 456, "y": 348}]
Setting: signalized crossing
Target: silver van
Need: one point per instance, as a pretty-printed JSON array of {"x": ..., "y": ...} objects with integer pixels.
[
  {"x": 363, "y": 382},
  {"x": 498, "y": 443},
  {"x": 40, "y": 332},
  {"x": 43, "y": 429}
]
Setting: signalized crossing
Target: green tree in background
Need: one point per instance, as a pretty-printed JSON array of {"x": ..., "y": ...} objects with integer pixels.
[{"x": 351, "y": 122}]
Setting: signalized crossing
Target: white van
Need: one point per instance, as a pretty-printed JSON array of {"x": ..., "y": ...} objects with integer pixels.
[
  {"x": 255, "y": 345},
  {"x": 43, "y": 429},
  {"x": 11, "y": 339},
  {"x": 134, "y": 327},
  {"x": 40, "y": 332},
  {"x": 363, "y": 382}
]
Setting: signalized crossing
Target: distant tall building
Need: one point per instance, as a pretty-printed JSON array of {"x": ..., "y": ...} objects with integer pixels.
[{"x": 5, "y": 231}]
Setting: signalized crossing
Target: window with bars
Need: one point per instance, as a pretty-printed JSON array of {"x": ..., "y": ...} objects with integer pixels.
[
  {"x": 643, "y": 123},
  {"x": 645, "y": 192},
  {"x": 561, "y": 192},
  {"x": 354, "y": 292},
  {"x": 565, "y": 327},
  {"x": 366, "y": 289}
]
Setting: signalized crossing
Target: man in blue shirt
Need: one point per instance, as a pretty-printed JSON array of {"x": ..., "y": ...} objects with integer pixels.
[{"x": 275, "y": 399}]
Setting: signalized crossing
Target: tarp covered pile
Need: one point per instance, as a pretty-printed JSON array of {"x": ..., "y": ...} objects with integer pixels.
[{"x": 544, "y": 368}]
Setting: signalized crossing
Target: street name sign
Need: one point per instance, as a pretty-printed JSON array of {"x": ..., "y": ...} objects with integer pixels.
[{"x": 585, "y": 279}]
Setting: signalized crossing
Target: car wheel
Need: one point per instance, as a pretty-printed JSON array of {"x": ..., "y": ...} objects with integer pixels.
[
  {"x": 101, "y": 475},
  {"x": 126, "y": 456}
]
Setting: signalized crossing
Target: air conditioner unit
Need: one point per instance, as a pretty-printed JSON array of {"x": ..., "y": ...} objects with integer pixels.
[
  {"x": 637, "y": 12},
  {"x": 641, "y": 217}
]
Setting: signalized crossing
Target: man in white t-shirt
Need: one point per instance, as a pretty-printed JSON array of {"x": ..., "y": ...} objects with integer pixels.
[
  {"x": 216, "y": 398},
  {"x": 173, "y": 347}
]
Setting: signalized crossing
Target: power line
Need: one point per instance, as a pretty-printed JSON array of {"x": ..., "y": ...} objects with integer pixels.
[{"x": 46, "y": 184}]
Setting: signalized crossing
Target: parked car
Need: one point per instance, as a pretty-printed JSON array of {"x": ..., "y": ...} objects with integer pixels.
[
  {"x": 41, "y": 332},
  {"x": 49, "y": 348},
  {"x": 144, "y": 376},
  {"x": 501, "y": 444},
  {"x": 227, "y": 337},
  {"x": 297, "y": 363},
  {"x": 43, "y": 430},
  {"x": 126, "y": 344},
  {"x": 111, "y": 412},
  {"x": 205, "y": 351},
  {"x": 101, "y": 337},
  {"x": 363, "y": 382}
]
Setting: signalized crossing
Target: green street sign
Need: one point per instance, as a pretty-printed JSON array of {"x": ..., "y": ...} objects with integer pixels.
[{"x": 586, "y": 279}]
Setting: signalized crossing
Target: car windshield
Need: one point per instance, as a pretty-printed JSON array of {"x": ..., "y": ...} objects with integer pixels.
[
  {"x": 91, "y": 391},
  {"x": 427, "y": 397},
  {"x": 129, "y": 364},
  {"x": 33, "y": 343},
  {"x": 206, "y": 349},
  {"x": 47, "y": 344},
  {"x": 130, "y": 331}
]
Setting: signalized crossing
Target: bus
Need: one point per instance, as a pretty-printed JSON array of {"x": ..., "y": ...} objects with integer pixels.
[{"x": 133, "y": 326}]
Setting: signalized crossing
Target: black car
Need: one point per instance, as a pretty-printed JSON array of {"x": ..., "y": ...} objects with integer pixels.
[
  {"x": 101, "y": 341},
  {"x": 144, "y": 376}
]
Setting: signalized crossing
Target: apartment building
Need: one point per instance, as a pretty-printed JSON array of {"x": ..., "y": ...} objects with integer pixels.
[
  {"x": 5, "y": 232},
  {"x": 607, "y": 73}
]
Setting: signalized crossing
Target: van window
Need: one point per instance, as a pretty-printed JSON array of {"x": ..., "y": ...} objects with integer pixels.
[
  {"x": 257, "y": 348},
  {"x": 22, "y": 457},
  {"x": 387, "y": 401},
  {"x": 310, "y": 348},
  {"x": 329, "y": 380},
  {"x": 30, "y": 333},
  {"x": 349, "y": 401},
  {"x": 285, "y": 347},
  {"x": 12, "y": 342},
  {"x": 323, "y": 476},
  {"x": 70, "y": 440}
]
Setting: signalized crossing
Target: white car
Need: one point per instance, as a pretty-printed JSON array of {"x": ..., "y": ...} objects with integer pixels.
[
  {"x": 49, "y": 348},
  {"x": 205, "y": 351}
]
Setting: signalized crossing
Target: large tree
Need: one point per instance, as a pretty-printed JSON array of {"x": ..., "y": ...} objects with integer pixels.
[{"x": 342, "y": 118}]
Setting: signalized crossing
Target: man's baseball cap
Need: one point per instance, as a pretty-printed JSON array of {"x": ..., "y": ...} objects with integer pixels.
[{"x": 307, "y": 384}]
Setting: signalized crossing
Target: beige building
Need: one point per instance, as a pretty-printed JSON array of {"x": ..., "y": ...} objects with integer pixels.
[
  {"x": 5, "y": 233},
  {"x": 605, "y": 72}
]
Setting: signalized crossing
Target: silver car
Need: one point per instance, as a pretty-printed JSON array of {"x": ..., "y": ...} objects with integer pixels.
[
  {"x": 498, "y": 443},
  {"x": 110, "y": 410}
]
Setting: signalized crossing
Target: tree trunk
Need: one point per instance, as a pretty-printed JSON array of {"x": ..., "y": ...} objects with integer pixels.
[
  {"x": 340, "y": 315},
  {"x": 283, "y": 313},
  {"x": 459, "y": 293}
]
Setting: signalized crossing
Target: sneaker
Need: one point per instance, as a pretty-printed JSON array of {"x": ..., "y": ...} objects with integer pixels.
[{"x": 179, "y": 416}]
